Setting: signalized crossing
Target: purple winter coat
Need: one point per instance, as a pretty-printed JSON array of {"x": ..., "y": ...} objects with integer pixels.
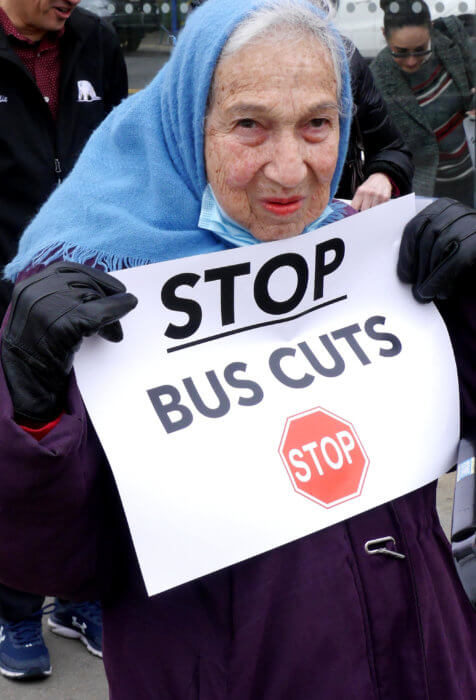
[{"x": 315, "y": 619}]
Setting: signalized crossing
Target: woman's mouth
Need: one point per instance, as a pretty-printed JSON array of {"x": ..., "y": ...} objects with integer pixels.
[{"x": 283, "y": 206}]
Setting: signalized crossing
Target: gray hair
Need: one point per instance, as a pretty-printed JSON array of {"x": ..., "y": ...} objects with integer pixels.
[{"x": 296, "y": 20}]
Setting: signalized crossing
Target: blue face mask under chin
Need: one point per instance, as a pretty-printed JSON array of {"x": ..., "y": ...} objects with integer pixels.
[{"x": 213, "y": 218}]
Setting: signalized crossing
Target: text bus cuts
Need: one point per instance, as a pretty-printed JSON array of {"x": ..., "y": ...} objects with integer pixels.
[{"x": 293, "y": 366}]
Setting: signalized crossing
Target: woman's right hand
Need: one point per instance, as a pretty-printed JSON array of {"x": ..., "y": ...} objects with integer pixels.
[{"x": 51, "y": 312}]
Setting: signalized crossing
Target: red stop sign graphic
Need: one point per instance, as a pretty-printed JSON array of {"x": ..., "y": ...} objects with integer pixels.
[{"x": 323, "y": 457}]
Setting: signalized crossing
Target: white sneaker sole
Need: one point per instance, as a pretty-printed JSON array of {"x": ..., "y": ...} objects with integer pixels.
[
  {"x": 72, "y": 634},
  {"x": 22, "y": 674}
]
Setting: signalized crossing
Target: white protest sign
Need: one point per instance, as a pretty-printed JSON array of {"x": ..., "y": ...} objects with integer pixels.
[{"x": 266, "y": 392}]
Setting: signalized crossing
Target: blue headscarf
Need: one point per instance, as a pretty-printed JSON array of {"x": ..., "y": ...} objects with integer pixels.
[{"x": 135, "y": 194}]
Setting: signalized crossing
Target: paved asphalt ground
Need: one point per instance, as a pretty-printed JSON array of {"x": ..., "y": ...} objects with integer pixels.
[{"x": 77, "y": 675}]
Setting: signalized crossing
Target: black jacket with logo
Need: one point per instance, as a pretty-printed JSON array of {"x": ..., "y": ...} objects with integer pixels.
[{"x": 35, "y": 151}]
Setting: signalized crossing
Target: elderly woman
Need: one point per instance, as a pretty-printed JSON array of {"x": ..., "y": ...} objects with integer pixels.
[{"x": 239, "y": 139}]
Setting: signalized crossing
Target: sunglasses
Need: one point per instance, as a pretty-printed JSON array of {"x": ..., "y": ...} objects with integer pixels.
[{"x": 405, "y": 53}]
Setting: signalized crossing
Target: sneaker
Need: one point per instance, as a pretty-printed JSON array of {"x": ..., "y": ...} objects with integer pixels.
[
  {"x": 79, "y": 621},
  {"x": 23, "y": 653}
]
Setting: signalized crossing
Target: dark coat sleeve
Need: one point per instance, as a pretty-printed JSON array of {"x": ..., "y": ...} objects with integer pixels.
[
  {"x": 459, "y": 314},
  {"x": 62, "y": 526},
  {"x": 383, "y": 147},
  {"x": 58, "y": 506}
]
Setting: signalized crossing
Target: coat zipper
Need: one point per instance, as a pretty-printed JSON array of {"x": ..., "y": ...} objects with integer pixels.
[{"x": 58, "y": 170}]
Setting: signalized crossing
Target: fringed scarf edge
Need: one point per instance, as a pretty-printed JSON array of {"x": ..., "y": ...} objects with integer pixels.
[
  {"x": 109, "y": 262},
  {"x": 71, "y": 253}
]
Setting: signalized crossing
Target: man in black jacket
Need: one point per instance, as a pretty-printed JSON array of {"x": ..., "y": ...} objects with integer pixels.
[{"x": 61, "y": 73}]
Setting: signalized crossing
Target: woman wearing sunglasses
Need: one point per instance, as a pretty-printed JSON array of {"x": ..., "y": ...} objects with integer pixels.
[{"x": 426, "y": 75}]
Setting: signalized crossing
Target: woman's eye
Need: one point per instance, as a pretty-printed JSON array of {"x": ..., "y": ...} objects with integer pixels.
[
  {"x": 318, "y": 123},
  {"x": 247, "y": 123}
]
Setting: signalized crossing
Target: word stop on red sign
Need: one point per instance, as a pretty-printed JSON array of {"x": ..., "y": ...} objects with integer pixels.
[{"x": 323, "y": 457}]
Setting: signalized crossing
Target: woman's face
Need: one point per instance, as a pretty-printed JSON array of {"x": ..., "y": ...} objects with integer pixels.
[
  {"x": 272, "y": 136},
  {"x": 405, "y": 41}
]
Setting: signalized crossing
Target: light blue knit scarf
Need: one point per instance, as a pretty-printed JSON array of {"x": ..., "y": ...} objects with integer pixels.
[{"x": 135, "y": 194}]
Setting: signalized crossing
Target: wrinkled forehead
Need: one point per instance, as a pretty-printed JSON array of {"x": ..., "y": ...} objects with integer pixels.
[
  {"x": 259, "y": 66},
  {"x": 182, "y": 88}
]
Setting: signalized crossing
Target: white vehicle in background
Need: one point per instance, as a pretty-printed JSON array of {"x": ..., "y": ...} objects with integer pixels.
[{"x": 362, "y": 20}]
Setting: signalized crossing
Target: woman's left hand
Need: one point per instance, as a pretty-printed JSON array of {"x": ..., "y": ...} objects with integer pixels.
[
  {"x": 438, "y": 246},
  {"x": 376, "y": 189}
]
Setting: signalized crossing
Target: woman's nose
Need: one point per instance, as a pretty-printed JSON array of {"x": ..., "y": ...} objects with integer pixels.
[
  {"x": 286, "y": 166},
  {"x": 411, "y": 61}
]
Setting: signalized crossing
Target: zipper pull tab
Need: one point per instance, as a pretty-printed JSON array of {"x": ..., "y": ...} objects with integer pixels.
[{"x": 58, "y": 170}]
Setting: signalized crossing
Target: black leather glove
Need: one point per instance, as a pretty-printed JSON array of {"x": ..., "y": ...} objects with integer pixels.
[
  {"x": 438, "y": 245},
  {"x": 51, "y": 312}
]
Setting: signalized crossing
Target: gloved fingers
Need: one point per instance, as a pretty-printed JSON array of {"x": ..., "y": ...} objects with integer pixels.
[
  {"x": 427, "y": 252},
  {"x": 439, "y": 207},
  {"x": 55, "y": 288},
  {"x": 426, "y": 237},
  {"x": 459, "y": 256},
  {"x": 100, "y": 315},
  {"x": 96, "y": 315},
  {"x": 51, "y": 313},
  {"x": 408, "y": 256},
  {"x": 439, "y": 283},
  {"x": 112, "y": 332},
  {"x": 77, "y": 275}
]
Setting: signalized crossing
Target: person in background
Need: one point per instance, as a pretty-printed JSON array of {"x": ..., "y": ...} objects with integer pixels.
[
  {"x": 378, "y": 165},
  {"x": 239, "y": 140},
  {"x": 426, "y": 75},
  {"x": 61, "y": 73}
]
